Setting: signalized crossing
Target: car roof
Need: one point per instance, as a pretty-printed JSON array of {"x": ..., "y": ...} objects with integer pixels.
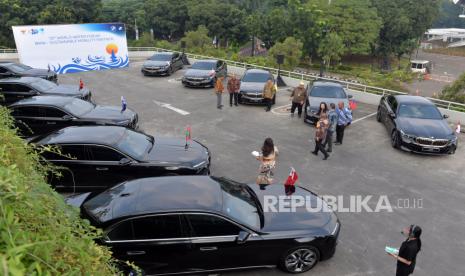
[
  {"x": 412, "y": 99},
  {"x": 20, "y": 79},
  {"x": 45, "y": 100},
  {"x": 156, "y": 195},
  {"x": 100, "y": 135},
  {"x": 207, "y": 60},
  {"x": 260, "y": 71},
  {"x": 326, "y": 83}
]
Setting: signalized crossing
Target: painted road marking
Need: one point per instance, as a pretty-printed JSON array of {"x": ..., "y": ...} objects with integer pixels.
[
  {"x": 364, "y": 117},
  {"x": 169, "y": 106},
  {"x": 281, "y": 110}
]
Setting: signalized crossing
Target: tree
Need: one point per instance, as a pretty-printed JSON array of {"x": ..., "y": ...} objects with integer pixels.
[
  {"x": 167, "y": 18},
  {"x": 331, "y": 48},
  {"x": 291, "y": 48},
  {"x": 355, "y": 21},
  {"x": 456, "y": 91},
  {"x": 198, "y": 38},
  {"x": 449, "y": 16}
]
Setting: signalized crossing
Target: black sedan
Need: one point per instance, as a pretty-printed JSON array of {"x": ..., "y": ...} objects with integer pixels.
[
  {"x": 15, "y": 89},
  {"x": 43, "y": 114},
  {"x": 199, "y": 224},
  {"x": 12, "y": 69},
  {"x": 252, "y": 85},
  {"x": 203, "y": 73},
  {"x": 162, "y": 63},
  {"x": 98, "y": 157},
  {"x": 416, "y": 124}
]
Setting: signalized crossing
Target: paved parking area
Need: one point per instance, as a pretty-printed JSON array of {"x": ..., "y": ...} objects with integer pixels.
[{"x": 365, "y": 165}]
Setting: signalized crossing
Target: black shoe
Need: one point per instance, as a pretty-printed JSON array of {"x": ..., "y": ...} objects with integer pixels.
[
  {"x": 300, "y": 116},
  {"x": 329, "y": 151},
  {"x": 292, "y": 115},
  {"x": 338, "y": 143},
  {"x": 236, "y": 104},
  {"x": 326, "y": 157},
  {"x": 230, "y": 105},
  {"x": 315, "y": 152}
]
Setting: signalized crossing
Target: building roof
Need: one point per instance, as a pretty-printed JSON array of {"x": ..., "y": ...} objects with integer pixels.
[{"x": 156, "y": 195}]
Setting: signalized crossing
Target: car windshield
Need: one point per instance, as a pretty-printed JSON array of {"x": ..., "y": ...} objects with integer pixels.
[
  {"x": 79, "y": 107},
  {"x": 328, "y": 92},
  {"x": 240, "y": 203},
  {"x": 203, "y": 66},
  {"x": 419, "y": 111},
  {"x": 160, "y": 57},
  {"x": 135, "y": 144},
  {"x": 256, "y": 77},
  {"x": 18, "y": 68},
  {"x": 43, "y": 85}
]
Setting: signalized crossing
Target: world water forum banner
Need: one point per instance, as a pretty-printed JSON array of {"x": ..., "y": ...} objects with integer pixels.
[{"x": 72, "y": 48}]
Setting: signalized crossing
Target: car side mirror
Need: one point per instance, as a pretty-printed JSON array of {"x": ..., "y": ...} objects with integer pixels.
[
  {"x": 350, "y": 96},
  {"x": 242, "y": 237},
  {"x": 124, "y": 161},
  {"x": 445, "y": 116},
  {"x": 392, "y": 115}
]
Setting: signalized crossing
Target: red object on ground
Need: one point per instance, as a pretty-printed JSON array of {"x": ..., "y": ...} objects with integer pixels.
[
  {"x": 81, "y": 84},
  {"x": 292, "y": 178}
]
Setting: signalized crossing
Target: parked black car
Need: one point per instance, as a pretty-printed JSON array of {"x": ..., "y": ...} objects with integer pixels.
[
  {"x": 416, "y": 124},
  {"x": 15, "y": 89},
  {"x": 12, "y": 69},
  {"x": 203, "y": 224},
  {"x": 43, "y": 114},
  {"x": 162, "y": 63},
  {"x": 98, "y": 157},
  {"x": 323, "y": 91},
  {"x": 252, "y": 85},
  {"x": 203, "y": 73}
]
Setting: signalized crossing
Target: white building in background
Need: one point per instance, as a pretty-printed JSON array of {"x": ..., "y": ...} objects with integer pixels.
[{"x": 448, "y": 37}]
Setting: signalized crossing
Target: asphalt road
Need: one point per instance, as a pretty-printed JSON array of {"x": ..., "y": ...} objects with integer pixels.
[{"x": 365, "y": 165}]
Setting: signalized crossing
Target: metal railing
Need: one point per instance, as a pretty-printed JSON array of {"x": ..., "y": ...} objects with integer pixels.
[
  {"x": 8, "y": 51},
  {"x": 352, "y": 85}
]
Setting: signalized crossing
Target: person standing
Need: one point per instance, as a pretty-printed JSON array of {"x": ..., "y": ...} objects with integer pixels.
[
  {"x": 298, "y": 97},
  {"x": 269, "y": 92},
  {"x": 344, "y": 119},
  {"x": 219, "y": 88},
  {"x": 408, "y": 251},
  {"x": 267, "y": 160},
  {"x": 320, "y": 136},
  {"x": 233, "y": 89},
  {"x": 332, "y": 118}
]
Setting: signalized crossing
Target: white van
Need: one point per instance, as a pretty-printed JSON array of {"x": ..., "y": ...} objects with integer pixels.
[{"x": 420, "y": 66}]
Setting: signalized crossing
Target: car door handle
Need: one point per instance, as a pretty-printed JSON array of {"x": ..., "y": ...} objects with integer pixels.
[
  {"x": 209, "y": 248},
  {"x": 134, "y": 253},
  {"x": 101, "y": 169}
]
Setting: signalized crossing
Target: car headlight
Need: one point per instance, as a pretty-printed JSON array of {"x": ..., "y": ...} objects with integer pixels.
[{"x": 406, "y": 136}]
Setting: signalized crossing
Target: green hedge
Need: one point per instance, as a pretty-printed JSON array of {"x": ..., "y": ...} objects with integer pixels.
[{"x": 39, "y": 233}]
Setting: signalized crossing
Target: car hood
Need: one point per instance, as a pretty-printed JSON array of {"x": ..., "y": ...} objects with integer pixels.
[
  {"x": 198, "y": 73},
  {"x": 315, "y": 102},
  {"x": 68, "y": 90},
  {"x": 435, "y": 129},
  {"x": 315, "y": 222},
  {"x": 173, "y": 152},
  {"x": 256, "y": 87},
  {"x": 156, "y": 63},
  {"x": 111, "y": 113},
  {"x": 34, "y": 72}
]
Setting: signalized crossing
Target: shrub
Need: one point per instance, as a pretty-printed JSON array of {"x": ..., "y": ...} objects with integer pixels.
[{"x": 40, "y": 234}]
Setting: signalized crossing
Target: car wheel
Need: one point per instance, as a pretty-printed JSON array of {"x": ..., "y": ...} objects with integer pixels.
[
  {"x": 300, "y": 259},
  {"x": 378, "y": 116},
  {"x": 395, "y": 142}
]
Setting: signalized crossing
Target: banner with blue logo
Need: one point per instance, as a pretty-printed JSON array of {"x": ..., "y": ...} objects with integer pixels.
[{"x": 72, "y": 48}]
